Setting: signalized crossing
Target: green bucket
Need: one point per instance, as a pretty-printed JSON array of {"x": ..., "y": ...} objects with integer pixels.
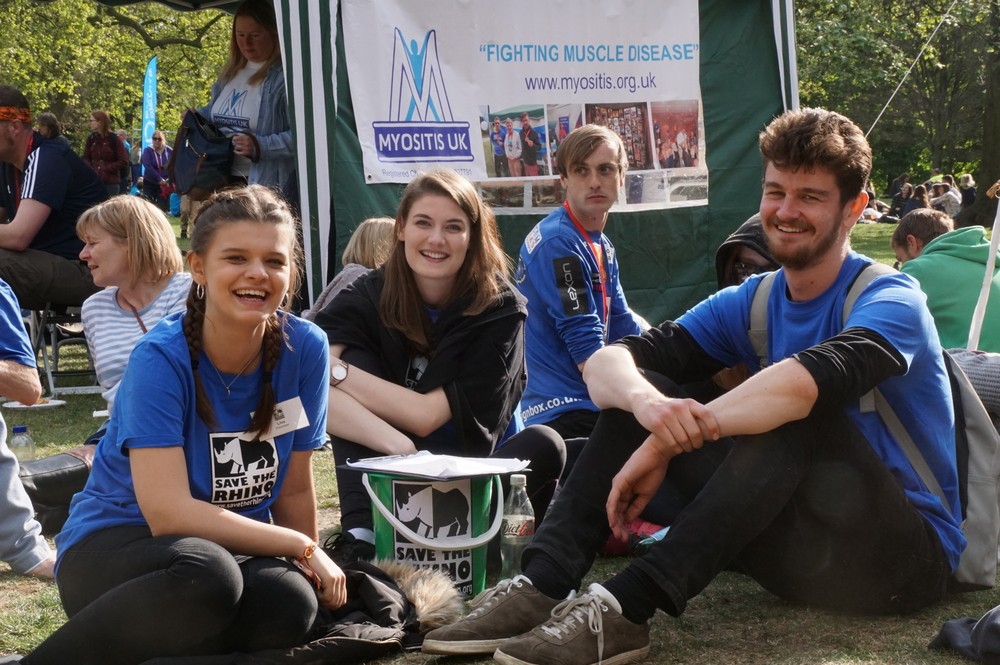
[{"x": 439, "y": 524}]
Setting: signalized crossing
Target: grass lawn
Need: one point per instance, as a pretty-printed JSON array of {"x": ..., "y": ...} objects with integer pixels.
[{"x": 732, "y": 621}]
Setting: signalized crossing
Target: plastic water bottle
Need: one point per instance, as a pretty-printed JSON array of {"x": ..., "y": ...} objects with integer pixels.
[
  {"x": 21, "y": 444},
  {"x": 518, "y": 527}
]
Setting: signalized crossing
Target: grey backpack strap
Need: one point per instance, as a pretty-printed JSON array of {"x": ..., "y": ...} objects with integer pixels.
[
  {"x": 913, "y": 454},
  {"x": 876, "y": 401},
  {"x": 861, "y": 282},
  {"x": 758, "y": 319}
]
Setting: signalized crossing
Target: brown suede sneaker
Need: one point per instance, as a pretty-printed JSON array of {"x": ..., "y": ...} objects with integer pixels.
[
  {"x": 588, "y": 630},
  {"x": 510, "y": 608}
]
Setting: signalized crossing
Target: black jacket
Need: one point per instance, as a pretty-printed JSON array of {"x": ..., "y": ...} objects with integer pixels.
[{"x": 478, "y": 360}]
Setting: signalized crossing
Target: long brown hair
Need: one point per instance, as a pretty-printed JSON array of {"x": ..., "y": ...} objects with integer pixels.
[
  {"x": 103, "y": 122},
  {"x": 480, "y": 279},
  {"x": 262, "y": 12},
  {"x": 261, "y": 205}
]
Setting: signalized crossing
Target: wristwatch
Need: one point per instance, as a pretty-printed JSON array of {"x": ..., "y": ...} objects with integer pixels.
[{"x": 338, "y": 372}]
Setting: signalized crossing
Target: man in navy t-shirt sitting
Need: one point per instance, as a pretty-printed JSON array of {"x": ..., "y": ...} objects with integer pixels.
[{"x": 44, "y": 187}]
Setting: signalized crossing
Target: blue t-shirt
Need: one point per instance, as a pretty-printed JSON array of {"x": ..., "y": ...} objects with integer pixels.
[
  {"x": 558, "y": 274},
  {"x": 15, "y": 344},
  {"x": 892, "y": 306},
  {"x": 155, "y": 408},
  {"x": 56, "y": 176},
  {"x": 497, "y": 137}
]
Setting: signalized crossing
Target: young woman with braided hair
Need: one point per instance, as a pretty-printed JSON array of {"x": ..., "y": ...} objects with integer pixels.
[{"x": 200, "y": 511}]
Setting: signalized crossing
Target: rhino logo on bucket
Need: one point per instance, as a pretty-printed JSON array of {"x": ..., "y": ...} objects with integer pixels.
[{"x": 432, "y": 513}]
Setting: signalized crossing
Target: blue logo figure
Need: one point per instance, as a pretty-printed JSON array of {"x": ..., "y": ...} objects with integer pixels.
[{"x": 421, "y": 126}]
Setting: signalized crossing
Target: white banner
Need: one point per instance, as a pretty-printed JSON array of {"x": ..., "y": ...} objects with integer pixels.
[{"x": 492, "y": 91}]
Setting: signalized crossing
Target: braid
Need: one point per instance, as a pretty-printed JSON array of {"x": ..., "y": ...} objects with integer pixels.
[
  {"x": 273, "y": 338},
  {"x": 193, "y": 321}
]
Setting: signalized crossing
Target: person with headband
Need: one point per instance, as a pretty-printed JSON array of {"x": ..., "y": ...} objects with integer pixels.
[{"x": 44, "y": 188}]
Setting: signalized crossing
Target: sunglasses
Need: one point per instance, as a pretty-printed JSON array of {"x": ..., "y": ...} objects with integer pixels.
[{"x": 744, "y": 270}]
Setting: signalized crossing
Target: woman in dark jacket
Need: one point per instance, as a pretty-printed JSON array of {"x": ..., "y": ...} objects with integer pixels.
[
  {"x": 155, "y": 159},
  {"x": 428, "y": 352},
  {"x": 50, "y": 127},
  {"x": 918, "y": 200},
  {"x": 105, "y": 152},
  {"x": 900, "y": 200}
]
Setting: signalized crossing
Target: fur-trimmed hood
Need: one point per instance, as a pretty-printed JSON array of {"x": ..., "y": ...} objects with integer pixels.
[{"x": 391, "y": 605}]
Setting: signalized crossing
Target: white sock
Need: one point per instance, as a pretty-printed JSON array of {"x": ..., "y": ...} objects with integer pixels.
[
  {"x": 605, "y": 595},
  {"x": 366, "y": 535}
]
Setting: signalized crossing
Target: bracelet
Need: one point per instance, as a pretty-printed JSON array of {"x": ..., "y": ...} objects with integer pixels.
[{"x": 308, "y": 552}]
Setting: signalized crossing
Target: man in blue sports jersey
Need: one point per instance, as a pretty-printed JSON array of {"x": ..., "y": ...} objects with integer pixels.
[
  {"x": 785, "y": 478},
  {"x": 568, "y": 271},
  {"x": 44, "y": 187}
]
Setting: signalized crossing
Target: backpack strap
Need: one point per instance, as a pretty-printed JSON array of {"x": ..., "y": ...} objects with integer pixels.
[
  {"x": 758, "y": 319},
  {"x": 873, "y": 400},
  {"x": 860, "y": 283},
  {"x": 913, "y": 454},
  {"x": 758, "y": 307}
]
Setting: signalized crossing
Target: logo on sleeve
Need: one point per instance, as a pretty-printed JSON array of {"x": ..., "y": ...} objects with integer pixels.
[
  {"x": 243, "y": 472},
  {"x": 570, "y": 283},
  {"x": 521, "y": 272},
  {"x": 534, "y": 237}
]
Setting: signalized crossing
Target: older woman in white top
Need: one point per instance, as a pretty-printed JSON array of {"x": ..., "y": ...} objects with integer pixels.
[{"x": 131, "y": 252}]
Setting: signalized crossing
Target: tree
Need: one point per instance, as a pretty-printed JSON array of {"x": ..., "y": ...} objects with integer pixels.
[
  {"x": 852, "y": 55},
  {"x": 74, "y": 56},
  {"x": 984, "y": 209}
]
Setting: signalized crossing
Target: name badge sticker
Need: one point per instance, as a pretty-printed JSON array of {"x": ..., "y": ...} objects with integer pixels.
[{"x": 289, "y": 416}]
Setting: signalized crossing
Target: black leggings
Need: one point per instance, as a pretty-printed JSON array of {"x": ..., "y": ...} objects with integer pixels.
[{"x": 131, "y": 597}]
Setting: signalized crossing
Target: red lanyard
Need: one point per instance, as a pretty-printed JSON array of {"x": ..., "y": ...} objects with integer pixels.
[
  {"x": 597, "y": 249},
  {"x": 18, "y": 175}
]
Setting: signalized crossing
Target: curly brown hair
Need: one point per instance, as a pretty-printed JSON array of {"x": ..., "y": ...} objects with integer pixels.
[{"x": 816, "y": 138}]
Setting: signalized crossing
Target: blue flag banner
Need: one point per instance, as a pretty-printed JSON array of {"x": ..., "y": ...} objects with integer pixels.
[{"x": 149, "y": 104}]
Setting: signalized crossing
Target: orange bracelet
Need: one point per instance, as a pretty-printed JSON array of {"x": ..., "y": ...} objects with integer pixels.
[{"x": 308, "y": 552}]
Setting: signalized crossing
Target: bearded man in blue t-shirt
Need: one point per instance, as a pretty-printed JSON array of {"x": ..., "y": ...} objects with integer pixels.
[{"x": 784, "y": 478}]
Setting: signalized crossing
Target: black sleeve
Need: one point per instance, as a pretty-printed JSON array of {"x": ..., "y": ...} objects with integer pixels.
[
  {"x": 351, "y": 318},
  {"x": 670, "y": 350},
  {"x": 849, "y": 364}
]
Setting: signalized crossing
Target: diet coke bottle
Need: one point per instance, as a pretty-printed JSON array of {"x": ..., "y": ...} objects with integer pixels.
[{"x": 518, "y": 527}]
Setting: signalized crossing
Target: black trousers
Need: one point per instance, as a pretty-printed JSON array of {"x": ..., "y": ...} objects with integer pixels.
[
  {"x": 131, "y": 597},
  {"x": 808, "y": 511}
]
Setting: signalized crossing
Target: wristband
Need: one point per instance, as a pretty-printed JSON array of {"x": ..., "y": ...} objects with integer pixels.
[{"x": 308, "y": 552}]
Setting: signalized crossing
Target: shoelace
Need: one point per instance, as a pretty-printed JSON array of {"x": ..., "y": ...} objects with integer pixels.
[
  {"x": 486, "y": 598},
  {"x": 586, "y": 610}
]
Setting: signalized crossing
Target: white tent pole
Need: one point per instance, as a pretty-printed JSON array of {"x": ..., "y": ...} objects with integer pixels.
[{"x": 984, "y": 293}]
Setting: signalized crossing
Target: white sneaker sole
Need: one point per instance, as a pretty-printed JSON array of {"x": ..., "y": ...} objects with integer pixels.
[
  {"x": 466, "y": 648},
  {"x": 620, "y": 659}
]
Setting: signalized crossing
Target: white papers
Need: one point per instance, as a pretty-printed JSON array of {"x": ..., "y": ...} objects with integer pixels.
[{"x": 424, "y": 464}]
